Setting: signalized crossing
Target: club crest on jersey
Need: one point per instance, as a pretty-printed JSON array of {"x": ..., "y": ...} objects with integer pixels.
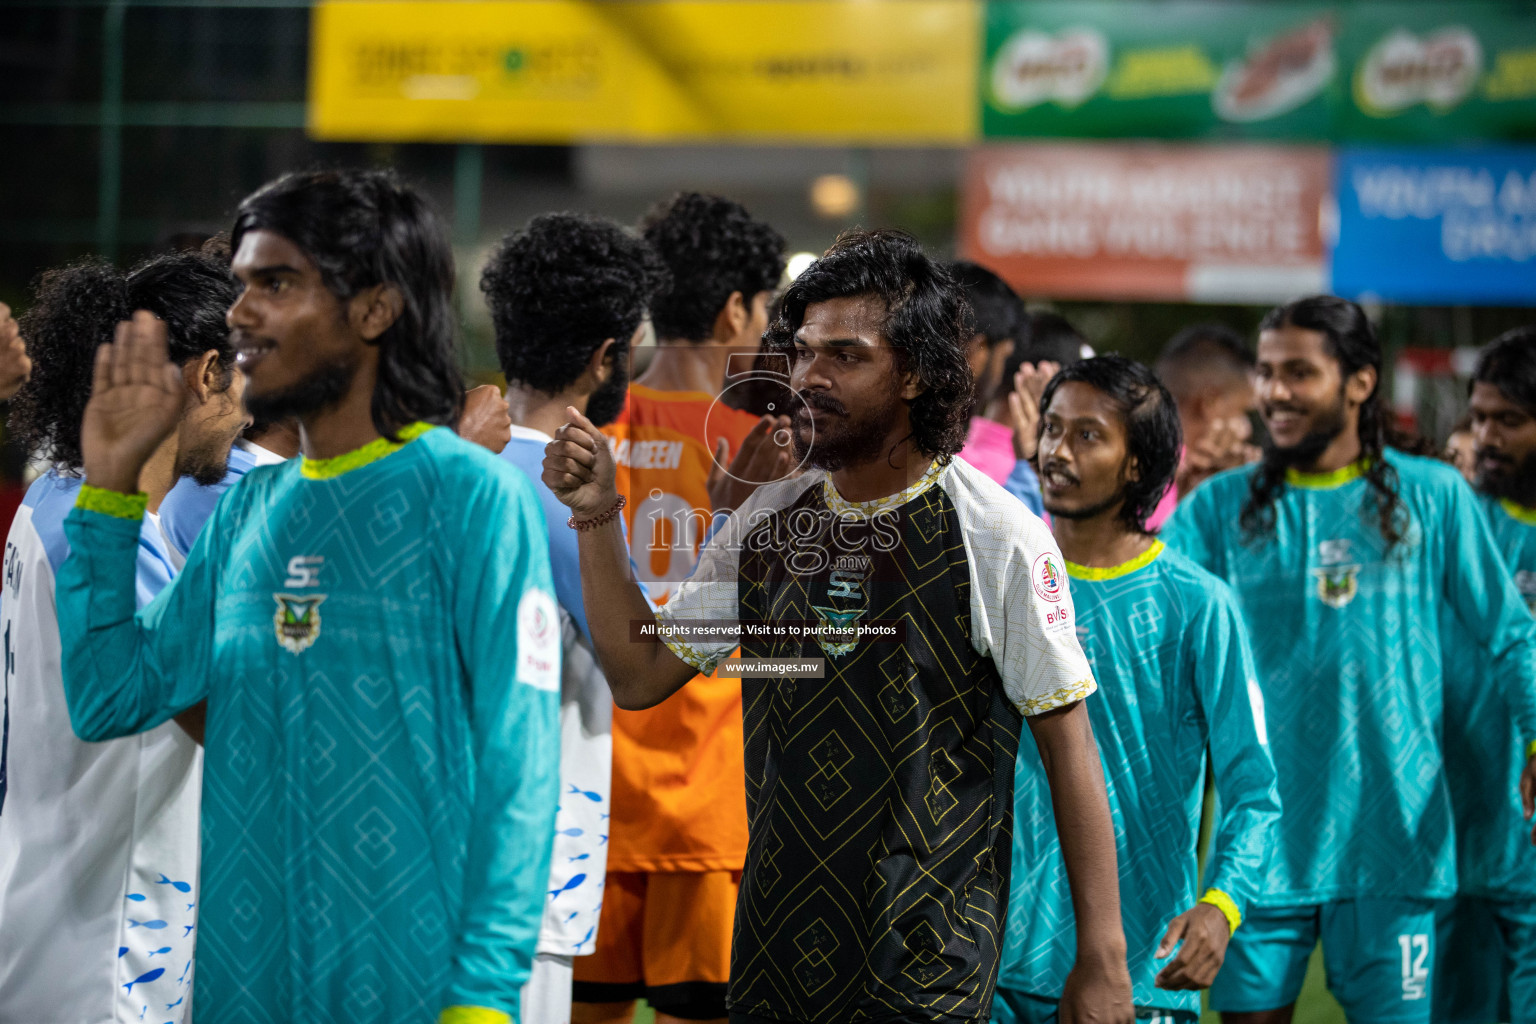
[
  {"x": 837, "y": 629},
  {"x": 834, "y": 625},
  {"x": 1337, "y": 585},
  {"x": 297, "y": 621},
  {"x": 1047, "y": 576}
]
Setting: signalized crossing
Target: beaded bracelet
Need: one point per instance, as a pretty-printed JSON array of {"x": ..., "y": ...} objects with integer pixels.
[{"x": 596, "y": 521}]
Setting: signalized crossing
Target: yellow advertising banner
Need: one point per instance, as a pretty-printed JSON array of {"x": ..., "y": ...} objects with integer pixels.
[{"x": 817, "y": 71}]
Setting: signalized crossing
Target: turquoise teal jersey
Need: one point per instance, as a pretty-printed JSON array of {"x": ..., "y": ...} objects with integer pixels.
[
  {"x": 379, "y": 649},
  {"x": 1484, "y": 746},
  {"x": 1176, "y": 679},
  {"x": 1347, "y": 638}
]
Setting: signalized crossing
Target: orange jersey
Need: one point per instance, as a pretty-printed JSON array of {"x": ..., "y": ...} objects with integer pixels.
[{"x": 679, "y": 788}]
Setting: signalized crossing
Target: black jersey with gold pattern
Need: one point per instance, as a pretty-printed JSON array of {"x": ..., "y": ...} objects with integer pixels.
[{"x": 880, "y": 796}]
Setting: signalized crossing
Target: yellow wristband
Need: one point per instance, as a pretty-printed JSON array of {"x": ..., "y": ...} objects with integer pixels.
[
  {"x": 473, "y": 1015},
  {"x": 1224, "y": 903},
  {"x": 112, "y": 503},
  {"x": 1530, "y": 750}
]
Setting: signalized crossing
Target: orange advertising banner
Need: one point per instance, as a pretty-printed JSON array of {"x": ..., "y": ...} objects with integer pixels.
[{"x": 1176, "y": 223}]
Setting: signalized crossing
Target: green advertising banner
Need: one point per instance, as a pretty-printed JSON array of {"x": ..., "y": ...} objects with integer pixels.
[
  {"x": 1438, "y": 72},
  {"x": 1289, "y": 70}
]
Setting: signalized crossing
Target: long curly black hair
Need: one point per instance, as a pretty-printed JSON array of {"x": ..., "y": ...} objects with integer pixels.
[
  {"x": 1352, "y": 341},
  {"x": 561, "y": 287},
  {"x": 712, "y": 247},
  {"x": 927, "y": 321},
  {"x": 363, "y": 228},
  {"x": 76, "y": 309}
]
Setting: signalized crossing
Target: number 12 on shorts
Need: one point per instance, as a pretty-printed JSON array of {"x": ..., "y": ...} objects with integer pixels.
[{"x": 1415, "y": 968}]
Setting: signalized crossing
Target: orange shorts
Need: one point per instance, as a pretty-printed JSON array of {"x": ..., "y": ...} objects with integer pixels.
[{"x": 664, "y": 938}]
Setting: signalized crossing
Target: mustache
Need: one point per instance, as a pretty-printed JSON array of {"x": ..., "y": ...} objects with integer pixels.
[
  {"x": 1493, "y": 455},
  {"x": 1274, "y": 407},
  {"x": 239, "y": 338},
  {"x": 1060, "y": 469},
  {"x": 823, "y": 401}
]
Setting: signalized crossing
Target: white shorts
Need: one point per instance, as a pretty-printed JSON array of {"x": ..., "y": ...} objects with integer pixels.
[{"x": 547, "y": 995}]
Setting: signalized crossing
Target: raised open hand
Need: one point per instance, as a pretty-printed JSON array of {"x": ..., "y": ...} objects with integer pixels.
[
  {"x": 764, "y": 457},
  {"x": 15, "y": 366},
  {"x": 1024, "y": 406},
  {"x": 578, "y": 467},
  {"x": 137, "y": 398},
  {"x": 1224, "y": 446}
]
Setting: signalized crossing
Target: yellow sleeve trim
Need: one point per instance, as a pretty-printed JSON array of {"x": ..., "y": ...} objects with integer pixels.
[
  {"x": 373, "y": 451},
  {"x": 1059, "y": 698},
  {"x": 1224, "y": 903},
  {"x": 686, "y": 652},
  {"x": 1530, "y": 750},
  {"x": 473, "y": 1015},
  {"x": 112, "y": 503}
]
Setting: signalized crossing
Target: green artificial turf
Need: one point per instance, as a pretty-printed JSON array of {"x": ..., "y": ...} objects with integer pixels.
[{"x": 1315, "y": 1006}]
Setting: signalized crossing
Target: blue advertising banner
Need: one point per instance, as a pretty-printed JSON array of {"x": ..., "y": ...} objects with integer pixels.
[{"x": 1437, "y": 226}]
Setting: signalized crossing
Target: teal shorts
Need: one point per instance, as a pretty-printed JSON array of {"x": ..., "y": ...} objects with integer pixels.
[
  {"x": 1011, "y": 1006},
  {"x": 1485, "y": 961},
  {"x": 1379, "y": 955}
]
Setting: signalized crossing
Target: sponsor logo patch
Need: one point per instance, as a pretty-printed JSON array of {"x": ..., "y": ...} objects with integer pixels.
[
  {"x": 304, "y": 571},
  {"x": 538, "y": 641},
  {"x": 1046, "y": 576}
]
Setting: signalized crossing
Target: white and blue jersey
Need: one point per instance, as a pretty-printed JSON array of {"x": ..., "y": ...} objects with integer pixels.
[
  {"x": 98, "y": 841},
  {"x": 1171, "y": 656},
  {"x": 579, "y": 863},
  {"x": 189, "y": 504},
  {"x": 1024, "y": 483}
]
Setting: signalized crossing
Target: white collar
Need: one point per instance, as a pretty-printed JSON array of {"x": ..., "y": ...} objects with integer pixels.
[{"x": 529, "y": 434}]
